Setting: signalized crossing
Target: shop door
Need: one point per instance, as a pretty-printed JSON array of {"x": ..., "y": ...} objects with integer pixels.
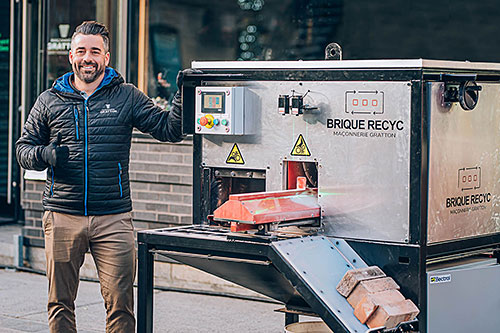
[{"x": 6, "y": 207}]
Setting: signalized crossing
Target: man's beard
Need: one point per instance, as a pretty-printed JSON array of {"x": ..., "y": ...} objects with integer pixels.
[{"x": 88, "y": 77}]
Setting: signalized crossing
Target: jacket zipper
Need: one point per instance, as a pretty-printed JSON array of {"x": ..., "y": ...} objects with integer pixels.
[
  {"x": 120, "y": 179},
  {"x": 52, "y": 184},
  {"x": 86, "y": 155},
  {"x": 75, "y": 111},
  {"x": 86, "y": 111}
]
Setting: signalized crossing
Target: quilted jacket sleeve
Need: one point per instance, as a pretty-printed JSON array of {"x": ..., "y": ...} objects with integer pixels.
[
  {"x": 149, "y": 118},
  {"x": 35, "y": 137}
]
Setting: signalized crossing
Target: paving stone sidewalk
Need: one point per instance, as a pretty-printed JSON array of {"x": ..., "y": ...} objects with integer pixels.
[{"x": 24, "y": 295}]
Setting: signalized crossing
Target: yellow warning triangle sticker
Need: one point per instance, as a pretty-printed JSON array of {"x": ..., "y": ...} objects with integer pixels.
[
  {"x": 300, "y": 147},
  {"x": 235, "y": 156}
]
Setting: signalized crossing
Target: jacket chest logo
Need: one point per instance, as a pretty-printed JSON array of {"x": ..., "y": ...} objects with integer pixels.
[{"x": 108, "y": 109}]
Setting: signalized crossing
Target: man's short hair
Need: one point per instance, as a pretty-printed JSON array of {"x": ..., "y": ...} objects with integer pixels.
[{"x": 93, "y": 28}]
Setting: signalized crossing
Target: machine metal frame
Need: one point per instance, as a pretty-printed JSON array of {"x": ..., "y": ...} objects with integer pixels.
[{"x": 406, "y": 263}]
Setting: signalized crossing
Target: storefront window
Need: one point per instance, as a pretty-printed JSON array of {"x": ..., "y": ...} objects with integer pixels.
[
  {"x": 182, "y": 31},
  {"x": 4, "y": 97},
  {"x": 63, "y": 17}
]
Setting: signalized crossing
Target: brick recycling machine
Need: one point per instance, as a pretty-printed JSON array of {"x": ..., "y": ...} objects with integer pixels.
[{"x": 305, "y": 170}]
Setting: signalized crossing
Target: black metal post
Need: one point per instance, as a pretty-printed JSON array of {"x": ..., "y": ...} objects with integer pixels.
[
  {"x": 291, "y": 318},
  {"x": 145, "y": 289}
]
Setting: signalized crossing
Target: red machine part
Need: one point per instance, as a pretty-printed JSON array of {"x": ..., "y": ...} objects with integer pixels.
[{"x": 266, "y": 207}]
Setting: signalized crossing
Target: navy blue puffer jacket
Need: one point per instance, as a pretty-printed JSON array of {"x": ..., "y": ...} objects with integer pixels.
[{"x": 98, "y": 131}]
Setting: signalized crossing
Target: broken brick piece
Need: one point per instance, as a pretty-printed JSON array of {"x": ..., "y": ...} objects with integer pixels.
[
  {"x": 354, "y": 276},
  {"x": 367, "y": 306},
  {"x": 390, "y": 315},
  {"x": 370, "y": 287}
]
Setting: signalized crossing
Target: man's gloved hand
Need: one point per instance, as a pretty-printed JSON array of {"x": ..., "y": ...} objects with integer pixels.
[
  {"x": 54, "y": 154},
  {"x": 181, "y": 74}
]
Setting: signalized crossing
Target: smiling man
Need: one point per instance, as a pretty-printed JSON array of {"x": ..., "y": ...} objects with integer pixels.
[{"x": 80, "y": 131}]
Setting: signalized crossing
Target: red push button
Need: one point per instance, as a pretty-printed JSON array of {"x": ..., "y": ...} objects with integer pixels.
[{"x": 203, "y": 121}]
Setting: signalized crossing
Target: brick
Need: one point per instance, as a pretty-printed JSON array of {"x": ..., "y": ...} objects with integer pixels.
[
  {"x": 135, "y": 186},
  {"x": 168, "y": 218},
  {"x": 144, "y": 216},
  {"x": 165, "y": 147},
  {"x": 187, "y": 199},
  {"x": 32, "y": 232},
  {"x": 188, "y": 159},
  {"x": 158, "y": 168},
  {"x": 138, "y": 205},
  {"x": 39, "y": 186},
  {"x": 139, "y": 225},
  {"x": 36, "y": 206},
  {"x": 149, "y": 196},
  {"x": 159, "y": 187},
  {"x": 136, "y": 147},
  {"x": 186, "y": 220},
  {"x": 178, "y": 209},
  {"x": 29, "y": 222},
  {"x": 188, "y": 180},
  {"x": 171, "y": 158},
  {"x": 390, "y": 315},
  {"x": 354, "y": 276},
  {"x": 143, "y": 176},
  {"x": 182, "y": 189},
  {"x": 370, "y": 287},
  {"x": 33, "y": 214},
  {"x": 367, "y": 306},
  {"x": 169, "y": 197},
  {"x": 150, "y": 157},
  {"x": 169, "y": 179},
  {"x": 157, "y": 207}
]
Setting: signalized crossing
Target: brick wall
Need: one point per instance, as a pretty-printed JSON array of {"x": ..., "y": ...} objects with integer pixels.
[
  {"x": 161, "y": 185},
  {"x": 161, "y": 179}
]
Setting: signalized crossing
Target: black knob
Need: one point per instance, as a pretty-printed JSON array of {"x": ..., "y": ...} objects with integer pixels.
[{"x": 468, "y": 95}]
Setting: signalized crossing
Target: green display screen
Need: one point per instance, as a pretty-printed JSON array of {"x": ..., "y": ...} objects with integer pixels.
[{"x": 212, "y": 102}]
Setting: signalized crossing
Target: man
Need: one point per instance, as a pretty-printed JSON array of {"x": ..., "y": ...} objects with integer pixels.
[{"x": 80, "y": 130}]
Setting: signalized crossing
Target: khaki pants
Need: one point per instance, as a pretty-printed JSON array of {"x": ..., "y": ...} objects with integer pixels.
[{"x": 110, "y": 239}]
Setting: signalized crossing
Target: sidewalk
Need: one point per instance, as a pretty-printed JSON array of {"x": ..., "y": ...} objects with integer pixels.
[{"x": 24, "y": 297}]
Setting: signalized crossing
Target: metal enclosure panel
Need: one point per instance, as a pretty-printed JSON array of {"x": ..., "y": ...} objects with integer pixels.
[
  {"x": 363, "y": 156},
  {"x": 347, "y": 64},
  {"x": 322, "y": 262},
  {"x": 464, "y": 299},
  {"x": 236, "y": 108},
  {"x": 464, "y": 166}
]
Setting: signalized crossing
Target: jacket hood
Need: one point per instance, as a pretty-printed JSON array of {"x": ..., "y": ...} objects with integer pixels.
[{"x": 62, "y": 84}]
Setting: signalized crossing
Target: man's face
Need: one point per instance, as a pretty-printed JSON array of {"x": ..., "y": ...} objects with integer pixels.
[{"x": 88, "y": 57}]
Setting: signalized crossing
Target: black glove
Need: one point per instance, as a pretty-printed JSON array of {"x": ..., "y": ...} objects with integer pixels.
[
  {"x": 54, "y": 154},
  {"x": 181, "y": 74},
  {"x": 177, "y": 105}
]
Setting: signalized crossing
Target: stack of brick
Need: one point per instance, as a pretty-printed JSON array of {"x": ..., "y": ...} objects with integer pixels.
[{"x": 375, "y": 298}]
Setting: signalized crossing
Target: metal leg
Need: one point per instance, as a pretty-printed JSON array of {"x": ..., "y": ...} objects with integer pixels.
[
  {"x": 145, "y": 289},
  {"x": 291, "y": 318}
]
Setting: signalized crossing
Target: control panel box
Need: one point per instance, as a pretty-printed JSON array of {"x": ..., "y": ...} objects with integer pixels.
[{"x": 224, "y": 111}]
